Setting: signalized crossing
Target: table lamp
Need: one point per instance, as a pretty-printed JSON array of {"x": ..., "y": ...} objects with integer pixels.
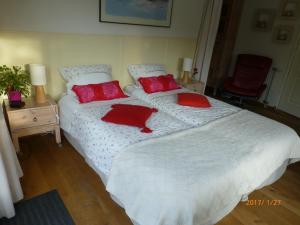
[
  {"x": 38, "y": 79},
  {"x": 187, "y": 68}
]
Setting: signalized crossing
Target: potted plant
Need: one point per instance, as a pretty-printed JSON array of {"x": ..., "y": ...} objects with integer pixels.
[{"x": 14, "y": 82}]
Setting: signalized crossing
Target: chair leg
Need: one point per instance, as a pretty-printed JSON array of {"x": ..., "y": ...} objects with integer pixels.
[{"x": 241, "y": 101}]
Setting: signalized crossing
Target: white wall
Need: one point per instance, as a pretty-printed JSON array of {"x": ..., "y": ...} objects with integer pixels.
[
  {"x": 254, "y": 42},
  {"x": 82, "y": 16}
]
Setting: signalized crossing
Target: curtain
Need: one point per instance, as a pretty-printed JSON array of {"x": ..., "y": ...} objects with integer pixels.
[
  {"x": 10, "y": 172},
  {"x": 206, "y": 38}
]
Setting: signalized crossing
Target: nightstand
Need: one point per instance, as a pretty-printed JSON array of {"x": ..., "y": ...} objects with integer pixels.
[
  {"x": 31, "y": 119},
  {"x": 196, "y": 86}
]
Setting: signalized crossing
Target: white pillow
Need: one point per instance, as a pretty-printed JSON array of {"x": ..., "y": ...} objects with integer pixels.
[
  {"x": 146, "y": 70},
  {"x": 88, "y": 78},
  {"x": 68, "y": 72}
]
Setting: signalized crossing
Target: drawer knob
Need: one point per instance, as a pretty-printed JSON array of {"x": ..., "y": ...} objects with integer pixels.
[{"x": 35, "y": 119}]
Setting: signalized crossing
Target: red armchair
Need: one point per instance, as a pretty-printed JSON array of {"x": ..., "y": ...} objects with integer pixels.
[{"x": 249, "y": 76}]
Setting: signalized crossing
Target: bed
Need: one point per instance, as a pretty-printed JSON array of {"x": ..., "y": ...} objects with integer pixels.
[{"x": 185, "y": 172}]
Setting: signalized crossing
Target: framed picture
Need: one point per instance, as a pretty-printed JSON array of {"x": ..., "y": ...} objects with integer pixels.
[
  {"x": 264, "y": 19},
  {"x": 283, "y": 34},
  {"x": 138, "y": 12},
  {"x": 289, "y": 9}
]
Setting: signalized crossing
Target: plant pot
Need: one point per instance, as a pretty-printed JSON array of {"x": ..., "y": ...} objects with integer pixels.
[{"x": 15, "y": 98}]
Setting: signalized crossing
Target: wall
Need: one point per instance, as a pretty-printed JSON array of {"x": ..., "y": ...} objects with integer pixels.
[
  {"x": 64, "y": 32},
  {"x": 254, "y": 42}
]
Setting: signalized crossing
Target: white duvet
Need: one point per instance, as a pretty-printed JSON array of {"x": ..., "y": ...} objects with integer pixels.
[
  {"x": 167, "y": 102},
  {"x": 102, "y": 141},
  {"x": 197, "y": 176},
  {"x": 180, "y": 175}
]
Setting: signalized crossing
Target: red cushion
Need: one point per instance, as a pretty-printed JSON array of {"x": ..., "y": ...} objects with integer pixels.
[
  {"x": 85, "y": 93},
  {"x": 169, "y": 82},
  {"x": 131, "y": 115},
  {"x": 193, "y": 100},
  {"x": 98, "y": 92},
  {"x": 151, "y": 84},
  {"x": 158, "y": 84},
  {"x": 108, "y": 91}
]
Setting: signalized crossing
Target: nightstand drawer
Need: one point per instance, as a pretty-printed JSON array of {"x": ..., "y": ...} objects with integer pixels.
[{"x": 31, "y": 118}]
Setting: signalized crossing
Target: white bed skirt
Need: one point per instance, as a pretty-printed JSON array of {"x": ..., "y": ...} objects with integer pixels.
[{"x": 10, "y": 172}]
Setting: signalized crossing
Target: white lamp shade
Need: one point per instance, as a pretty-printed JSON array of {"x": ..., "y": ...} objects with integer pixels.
[
  {"x": 37, "y": 74},
  {"x": 187, "y": 64}
]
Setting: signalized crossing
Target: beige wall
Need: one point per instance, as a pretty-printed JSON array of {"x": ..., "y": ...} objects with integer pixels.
[
  {"x": 57, "y": 49},
  {"x": 68, "y": 32},
  {"x": 254, "y": 42},
  {"x": 82, "y": 16}
]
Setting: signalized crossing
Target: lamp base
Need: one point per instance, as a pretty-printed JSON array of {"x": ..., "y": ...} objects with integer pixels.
[
  {"x": 186, "y": 77},
  {"x": 40, "y": 96}
]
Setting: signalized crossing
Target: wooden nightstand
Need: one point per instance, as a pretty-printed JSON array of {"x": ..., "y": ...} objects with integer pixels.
[
  {"x": 196, "y": 86},
  {"x": 33, "y": 118}
]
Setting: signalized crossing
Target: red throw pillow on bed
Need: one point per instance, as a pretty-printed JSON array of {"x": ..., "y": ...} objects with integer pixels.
[
  {"x": 169, "y": 82},
  {"x": 193, "y": 100},
  {"x": 108, "y": 91},
  {"x": 158, "y": 84},
  {"x": 85, "y": 93},
  {"x": 98, "y": 92},
  {"x": 151, "y": 84},
  {"x": 131, "y": 115}
]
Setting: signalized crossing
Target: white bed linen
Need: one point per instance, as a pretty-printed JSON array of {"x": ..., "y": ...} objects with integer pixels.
[
  {"x": 102, "y": 141},
  {"x": 209, "y": 147},
  {"x": 167, "y": 102},
  {"x": 197, "y": 176}
]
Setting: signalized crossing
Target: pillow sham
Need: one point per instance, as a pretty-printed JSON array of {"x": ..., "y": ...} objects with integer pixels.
[
  {"x": 158, "y": 84},
  {"x": 193, "y": 100},
  {"x": 98, "y": 92},
  {"x": 69, "y": 72},
  {"x": 146, "y": 70},
  {"x": 130, "y": 115},
  {"x": 88, "y": 78}
]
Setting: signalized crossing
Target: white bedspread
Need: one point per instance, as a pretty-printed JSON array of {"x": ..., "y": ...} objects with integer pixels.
[
  {"x": 102, "y": 141},
  {"x": 167, "y": 102},
  {"x": 197, "y": 176}
]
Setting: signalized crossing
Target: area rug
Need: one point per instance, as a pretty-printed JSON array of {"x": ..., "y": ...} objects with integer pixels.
[{"x": 45, "y": 209}]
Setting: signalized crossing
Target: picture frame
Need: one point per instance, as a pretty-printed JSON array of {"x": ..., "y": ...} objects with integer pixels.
[
  {"x": 283, "y": 34},
  {"x": 136, "y": 12},
  {"x": 289, "y": 9},
  {"x": 264, "y": 19}
]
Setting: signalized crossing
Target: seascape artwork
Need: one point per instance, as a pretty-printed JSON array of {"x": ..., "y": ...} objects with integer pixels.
[{"x": 142, "y": 12}]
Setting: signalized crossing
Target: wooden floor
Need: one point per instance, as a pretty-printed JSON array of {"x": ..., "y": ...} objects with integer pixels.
[{"x": 47, "y": 167}]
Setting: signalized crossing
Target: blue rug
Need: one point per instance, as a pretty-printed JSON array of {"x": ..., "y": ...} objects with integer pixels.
[{"x": 46, "y": 209}]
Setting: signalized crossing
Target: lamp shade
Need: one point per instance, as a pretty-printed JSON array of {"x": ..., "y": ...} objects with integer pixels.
[
  {"x": 37, "y": 74},
  {"x": 187, "y": 64}
]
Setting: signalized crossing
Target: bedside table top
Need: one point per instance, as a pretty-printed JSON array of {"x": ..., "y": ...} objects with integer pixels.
[
  {"x": 30, "y": 103},
  {"x": 190, "y": 82}
]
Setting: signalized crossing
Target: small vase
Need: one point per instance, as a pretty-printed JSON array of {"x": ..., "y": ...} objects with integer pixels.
[{"x": 15, "y": 98}]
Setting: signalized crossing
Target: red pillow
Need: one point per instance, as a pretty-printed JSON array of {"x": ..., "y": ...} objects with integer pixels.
[
  {"x": 131, "y": 115},
  {"x": 85, "y": 93},
  {"x": 158, "y": 84},
  {"x": 151, "y": 84},
  {"x": 98, "y": 92},
  {"x": 193, "y": 100},
  {"x": 108, "y": 91},
  {"x": 169, "y": 82}
]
